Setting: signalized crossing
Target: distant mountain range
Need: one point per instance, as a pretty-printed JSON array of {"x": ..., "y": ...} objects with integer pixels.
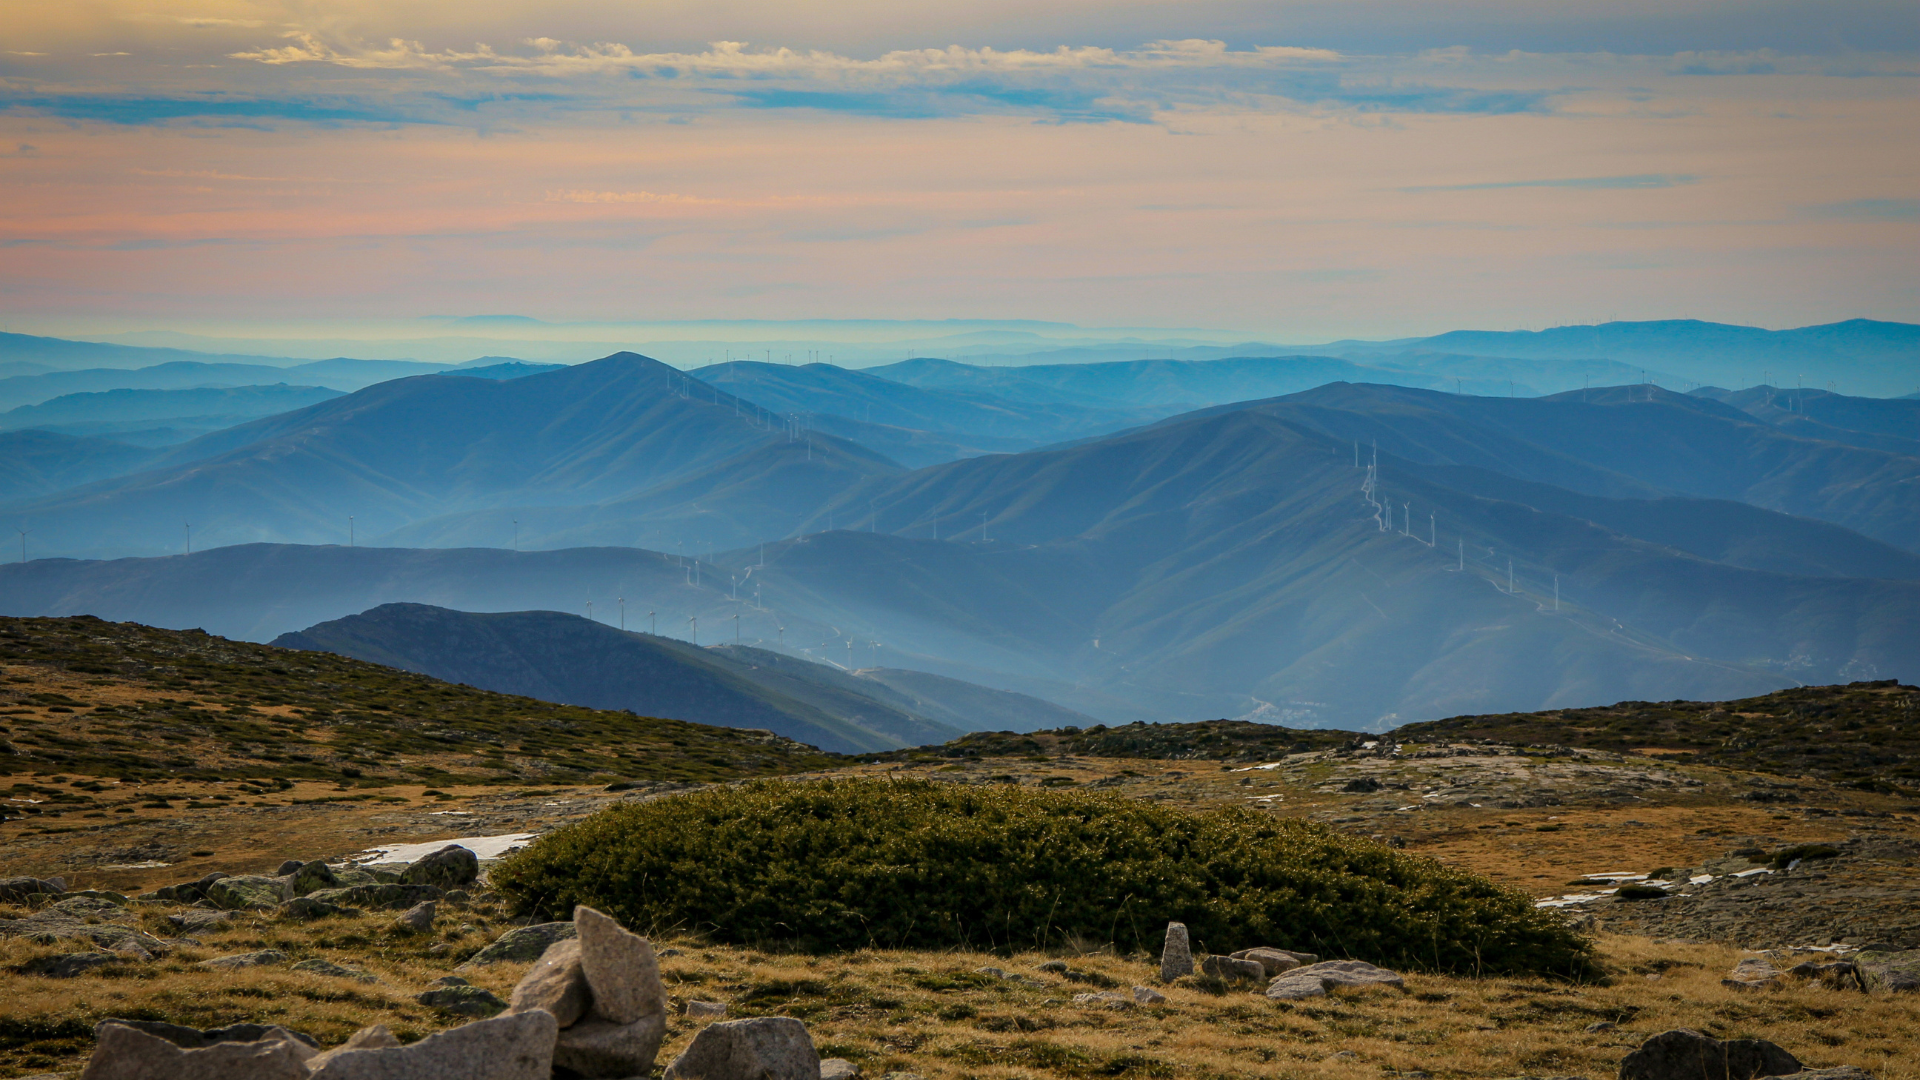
[{"x": 1133, "y": 540}]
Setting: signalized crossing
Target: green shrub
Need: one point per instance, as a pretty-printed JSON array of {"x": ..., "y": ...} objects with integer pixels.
[{"x": 851, "y": 863}]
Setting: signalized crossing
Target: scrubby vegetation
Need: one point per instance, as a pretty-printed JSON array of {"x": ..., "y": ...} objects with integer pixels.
[
  {"x": 123, "y": 700},
  {"x": 849, "y": 863}
]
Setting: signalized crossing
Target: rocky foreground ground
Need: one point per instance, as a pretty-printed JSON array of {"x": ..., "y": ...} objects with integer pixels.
[{"x": 1567, "y": 826}]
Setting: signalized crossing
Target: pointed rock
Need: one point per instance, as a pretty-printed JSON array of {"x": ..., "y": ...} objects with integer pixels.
[
  {"x": 121, "y": 1052},
  {"x": 620, "y": 967},
  {"x": 1176, "y": 955}
]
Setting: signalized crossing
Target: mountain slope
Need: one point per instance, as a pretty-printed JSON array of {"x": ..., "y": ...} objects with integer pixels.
[
  {"x": 409, "y": 449},
  {"x": 567, "y": 659},
  {"x": 341, "y": 374},
  {"x": 231, "y": 404},
  {"x": 37, "y": 463},
  {"x": 1161, "y": 384}
]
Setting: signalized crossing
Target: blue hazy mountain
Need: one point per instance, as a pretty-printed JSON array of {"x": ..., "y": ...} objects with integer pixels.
[
  {"x": 338, "y": 374},
  {"x": 411, "y": 449},
  {"x": 36, "y": 463},
  {"x": 181, "y": 414}
]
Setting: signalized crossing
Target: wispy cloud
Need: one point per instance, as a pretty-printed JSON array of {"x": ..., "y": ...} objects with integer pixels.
[
  {"x": 1871, "y": 210},
  {"x": 1579, "y": 183}
]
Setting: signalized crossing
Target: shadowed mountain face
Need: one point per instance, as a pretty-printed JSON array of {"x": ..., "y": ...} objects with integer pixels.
[
  {"x": 574, "y": 661},
  {"x": 36, "y": 463},
  {"x": 1166, "y": 385}
]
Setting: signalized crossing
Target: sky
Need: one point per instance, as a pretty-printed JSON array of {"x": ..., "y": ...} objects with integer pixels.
[{"x": 1297, "y": 171}]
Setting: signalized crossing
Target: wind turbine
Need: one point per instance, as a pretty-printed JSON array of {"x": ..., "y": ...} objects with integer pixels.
[
  {"x": 623, "y": 613},
  {"x": 736, "y": 629},
  {"x": 693, "y": 631},
  {"x": 589, "y": 611},
  {"x": 23, "y": 544},
  {"x": 188, "y": 525},
  {"x": 349, "y": 530}
]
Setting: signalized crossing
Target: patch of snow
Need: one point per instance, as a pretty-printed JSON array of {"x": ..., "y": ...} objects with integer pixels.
[
  {"x": 1251, "y": 768},
  {"x": 1750, "y": 873},
  {"x": 137, "y": 866},
  {"x": 1699, "y": 879},
  {"x": 484, "y": 847}
]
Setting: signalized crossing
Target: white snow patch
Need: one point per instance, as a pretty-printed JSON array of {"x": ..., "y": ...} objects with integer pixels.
[{"x": 484, "y": 847}]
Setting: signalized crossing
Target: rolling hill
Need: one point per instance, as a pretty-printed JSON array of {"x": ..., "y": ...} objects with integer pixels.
[{"x": 575, "y": 661}]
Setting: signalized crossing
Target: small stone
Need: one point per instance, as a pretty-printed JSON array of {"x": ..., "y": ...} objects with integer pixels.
[
  {"x": 1053, "y": 967},
  {"x": 513, "y": 1047},
  {"x": 1226, "y": 967},
  {"x": 463, "y": 1001},
  {"x": 1147, "y": 995},
  {"x": 1176, "y": 955},
  {"x": 838, "y": 1069},
  {"x": 706, "y": 1010},
  {"x": 1106, "y": 998},
  {"x": 1276, "y": 960},
  {"x": 1314, "y": 980},
  {"x": 1753, "y": 973},
  {"x": 1602, "y": 1025},
  {"x": 451, "y": 867},
  {"x": 998, "y": 973},
  {"x": 449, "y": 980},
  {"x": 417, "y": 919},
  {"x": 1682, "y": 1054},
  {"x": 520, "y": 945},
  {"x": 262, "y": 958},
  {"x": 457, "y": 896},
  {"x": 620, "y": 967},
  {"x": 763, "y": 1048},
  {"x": 1837, "y": 974},
  {"x": 1838, "y": 1072},
  {"x": 556, "y": 983}
]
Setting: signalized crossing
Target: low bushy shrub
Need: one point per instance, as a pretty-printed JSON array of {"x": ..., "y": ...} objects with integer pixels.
[{"x": 851, "y": 863}]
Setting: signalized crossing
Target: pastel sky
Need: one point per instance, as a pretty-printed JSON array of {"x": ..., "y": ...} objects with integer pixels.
[{"x": 1300, "y": 170}]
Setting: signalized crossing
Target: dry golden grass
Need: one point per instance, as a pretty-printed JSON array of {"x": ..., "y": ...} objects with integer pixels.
[{"x": 931, "y": 1014}]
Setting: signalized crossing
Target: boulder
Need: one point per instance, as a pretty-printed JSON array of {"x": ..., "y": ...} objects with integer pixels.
[
  {"x": 1753, "y": 973},
  {"x": 597, "y": 1047},
  {"x": 1104, "y": 997},
  {"x": 124, "y": 1052},
  {"x": 620, "y": 967},
  {"x": 463, "y": 1000},
  {"x": 312, "y": 877},
  {"x": 14, "y": 890},
  {"x": 250, "y": 891},
  {"x": 838, "y": 1069},
  {"x": 291, "y": 866},
  {"x": 556, "y": 984},
  {"x": 518, "y": 1046},
  {"x": 1838, "y": 1072},
  {"x": 1891, "y": 970},
  {"x": 1276, "y": 960},
  {"x": 520, "y": 945},
  {"x": 1682, "y": 1054},
  {"x": 262, "y": 958},
  {"x": 418, "y": 919},
  {"x": 1315, "y": 980},
  {"x": 1226, "y": 967},
  {"x": 706, "y": 1010},
  {"x": 69, "y": 965},
  {"x": 449, "y": 868},
  {"x": 1147, "y": 995},
  {"x": 763, "y": 1048},
  {"x": 384, "y": 895},
  {"x": 1176, "y": 955}
]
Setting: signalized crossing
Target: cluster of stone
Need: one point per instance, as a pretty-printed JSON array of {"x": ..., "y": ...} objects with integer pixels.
[{"x": 591, "y": 1007}]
